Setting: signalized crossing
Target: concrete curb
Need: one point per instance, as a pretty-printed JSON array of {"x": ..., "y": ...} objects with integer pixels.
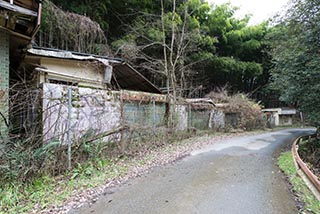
[{"x": 303, "y": 171}]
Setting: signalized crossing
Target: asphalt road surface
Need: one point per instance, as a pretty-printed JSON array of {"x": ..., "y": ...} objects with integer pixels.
[{"x": 233, "y": 176}]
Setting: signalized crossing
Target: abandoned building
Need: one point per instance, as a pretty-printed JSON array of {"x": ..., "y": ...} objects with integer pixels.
[
  {"x": 106, "y": 93},
  {"x": 58, "y": 94},
  {"x": 280, "y": 116},
  {"x": 19, "y": 22}
]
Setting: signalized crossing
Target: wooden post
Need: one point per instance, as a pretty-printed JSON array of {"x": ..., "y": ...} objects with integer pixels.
[{"x": 69, "y": 126}]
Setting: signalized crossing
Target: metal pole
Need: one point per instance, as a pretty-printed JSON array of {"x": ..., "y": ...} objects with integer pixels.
[
  {"x": 69, "y": 125},
  {"x": 189, "y": 117}
]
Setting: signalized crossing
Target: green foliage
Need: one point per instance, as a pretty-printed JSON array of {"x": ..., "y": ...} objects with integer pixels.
[
  {"x": 45, "y": 190},
  {"x": 229, "y": 50},
  {"x": 21, "y": 161},
  {"x": 295, "y": 52},
  {"x": 311, "y": 203},
  {"x": 134, "y": 30},
  {"x": 309, "y": 151}
]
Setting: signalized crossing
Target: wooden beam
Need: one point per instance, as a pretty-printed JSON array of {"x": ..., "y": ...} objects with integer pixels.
[
  {"x": 17, "y": 9},
  {"x": 16, "y": 34}
]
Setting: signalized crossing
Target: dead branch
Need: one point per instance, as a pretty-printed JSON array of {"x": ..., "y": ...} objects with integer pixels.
[{"x": 107, "y": 133}]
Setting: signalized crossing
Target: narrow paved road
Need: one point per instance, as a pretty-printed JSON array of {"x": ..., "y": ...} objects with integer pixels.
[{"x": 234, "y": 176}]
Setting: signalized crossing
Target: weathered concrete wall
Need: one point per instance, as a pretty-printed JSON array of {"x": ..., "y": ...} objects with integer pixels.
[
  {"x": 93, "y": 112},
  {"x": 182, "y": 117},
  {"x": 144, "y": 114},
  {"x": 4, "y": 83},
  {"x": 200, "y": 118},
  {"x": 217, "y": 120},
  {"x": 285, "y": 120}
]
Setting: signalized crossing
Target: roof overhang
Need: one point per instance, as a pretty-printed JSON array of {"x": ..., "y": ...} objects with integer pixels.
[
  {"x": 20, "y": 17},
  {"x": 124, "y": 75},
  {"x": 130, "y": 79}
]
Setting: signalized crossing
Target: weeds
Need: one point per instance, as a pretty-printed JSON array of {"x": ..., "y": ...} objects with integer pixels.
[
  {"x": 45, "y": 188},
  {"x": 248, "y": 112},
  {"x": 309, "y": 150},
  {"x": 311, "y": 204}
]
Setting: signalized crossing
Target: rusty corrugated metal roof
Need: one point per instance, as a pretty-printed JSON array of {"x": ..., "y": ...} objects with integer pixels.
[
  {"x": 124, "y": 75},
  {"x": 130, "y": 79}
]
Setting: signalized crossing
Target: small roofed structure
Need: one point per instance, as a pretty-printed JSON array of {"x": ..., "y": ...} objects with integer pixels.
[
  {"x": 280, "y": 116},
  {"x": 20, "y": 17},
  {"x": 74, "y": 68}
]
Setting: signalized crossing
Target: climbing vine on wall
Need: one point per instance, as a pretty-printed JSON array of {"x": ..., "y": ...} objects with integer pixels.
[{"x": 70, "y": 31}]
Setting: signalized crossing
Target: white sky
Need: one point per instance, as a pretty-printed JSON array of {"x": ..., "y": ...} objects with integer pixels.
[{"x": 260, "y": 9}]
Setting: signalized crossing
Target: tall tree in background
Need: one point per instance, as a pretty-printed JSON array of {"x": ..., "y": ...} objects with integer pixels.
[
  {"x": 165, "y": 44},
  {"x": 190, "y": 31},
  {"x": 233, "y": 51},
  {"x": 239, "y": 54},
  {"x": 296, "y": 57}
]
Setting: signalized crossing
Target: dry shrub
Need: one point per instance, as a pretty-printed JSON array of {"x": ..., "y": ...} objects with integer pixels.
[
  {"x": 70, "y": 31},
  {"x": 249, "y": 112},
  {"x": 219, "y": 95}
]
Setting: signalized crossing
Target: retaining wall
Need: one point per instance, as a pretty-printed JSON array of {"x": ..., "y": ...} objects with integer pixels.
[{"x": 96, "y": 111}]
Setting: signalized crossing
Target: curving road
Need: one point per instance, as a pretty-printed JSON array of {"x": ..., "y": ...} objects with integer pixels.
[{"x": 234, "y": 176}]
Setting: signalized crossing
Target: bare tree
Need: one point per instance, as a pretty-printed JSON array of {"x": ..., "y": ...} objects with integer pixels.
[{"x": 174, "y": 35}]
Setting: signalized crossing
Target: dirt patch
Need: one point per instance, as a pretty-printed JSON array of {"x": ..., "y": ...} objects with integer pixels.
[{"x": 297, "y": 199}]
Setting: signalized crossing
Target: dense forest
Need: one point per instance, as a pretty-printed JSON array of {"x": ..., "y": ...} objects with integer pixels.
[{"x": 191, "y": 48}]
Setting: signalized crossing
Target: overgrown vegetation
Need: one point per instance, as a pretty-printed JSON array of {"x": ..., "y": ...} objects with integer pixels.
[
  {"x": 295, "y": 51},
  {"x": 70, "y": 31},
  {"x": 309, "y": 151},
  {"x": 249, "y": 112},
  {"x": 104, "y": 163},
  {"x": 189, "y": 46},
  {"x": 46, "y": 190},
  {"x": 310, "y": 203}
]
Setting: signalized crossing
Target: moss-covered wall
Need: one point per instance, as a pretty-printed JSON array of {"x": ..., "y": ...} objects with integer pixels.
[
  {"x": 144, "y": 114},
  {"x": 4, "y": 83}
]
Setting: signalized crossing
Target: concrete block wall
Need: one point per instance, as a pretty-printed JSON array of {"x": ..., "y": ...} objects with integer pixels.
[
  {"x": 217, "y": 119},
  {"x": 144, "y": 114},
  {"x": 92, "y": 112},
  {"x": 199, "y": 119},
  {"x": 182, "y": 117},
  {"x": 4, "y": 83},
  {"x": 95, "y": 111}
]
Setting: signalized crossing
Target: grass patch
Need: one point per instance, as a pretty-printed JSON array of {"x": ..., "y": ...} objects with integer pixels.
[
  {"x": 45, "y": 191},
  {"x": 311, "y": 204}
]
